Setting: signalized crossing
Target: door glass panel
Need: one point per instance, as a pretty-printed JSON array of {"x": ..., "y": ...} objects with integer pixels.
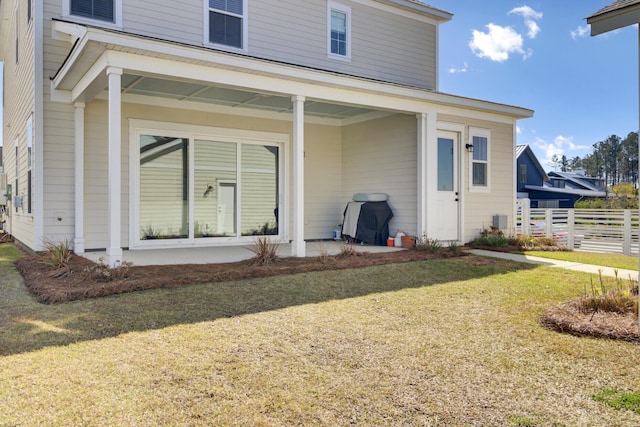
[
  {"x": 259, "y": 200},
  {"x": 445, "y": 164},
  {"x": 164, "y": 191},
  {"x": 215, "y": 176}
]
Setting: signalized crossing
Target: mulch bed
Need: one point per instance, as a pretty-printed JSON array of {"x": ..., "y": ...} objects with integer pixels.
[
  {"x": 569, "y": 318},
  {"x": 51, "y": 285}
]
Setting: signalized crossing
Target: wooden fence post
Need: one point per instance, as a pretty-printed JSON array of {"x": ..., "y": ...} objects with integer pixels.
[
  {"x": 548, "y": 221},
  {"x": 571, "y": 224},
  {"x": 626, "y": 246}
]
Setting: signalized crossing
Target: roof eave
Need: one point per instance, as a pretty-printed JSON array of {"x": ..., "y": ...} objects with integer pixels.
[
  {"x": 434, "y": 13},
  {"x": 613, "y": 20}
]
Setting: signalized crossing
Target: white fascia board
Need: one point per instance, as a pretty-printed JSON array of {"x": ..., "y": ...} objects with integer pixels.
[
  {"x": 67, "y": 31},
  {"x": 408, "y": 10},
  {"x": 614, "y": 20},
  {"x": 90, "y": 79},
  {"x": 69, "y": 63}
]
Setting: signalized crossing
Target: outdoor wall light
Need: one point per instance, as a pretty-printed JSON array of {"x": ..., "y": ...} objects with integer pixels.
[{"x": 469, "y": 147}]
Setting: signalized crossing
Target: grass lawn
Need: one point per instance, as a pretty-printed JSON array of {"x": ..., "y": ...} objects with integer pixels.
[
  {"x": 439, "y": 342},
  {"x": 608, "y": 260}
]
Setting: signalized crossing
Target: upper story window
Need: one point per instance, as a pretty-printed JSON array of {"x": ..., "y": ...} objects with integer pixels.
[
  {"x": 480, "y": 138},
  {"x": 105, "y": 11},
  {"x": 227, "y": 23},
  {"x": 523, "y": 174},
  {"x": 339, "y": 31}
]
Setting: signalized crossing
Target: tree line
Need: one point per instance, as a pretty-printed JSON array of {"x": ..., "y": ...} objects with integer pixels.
[{"x": 615, "y": 160}]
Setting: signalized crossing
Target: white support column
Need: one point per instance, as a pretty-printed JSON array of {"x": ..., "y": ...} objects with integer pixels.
[
  {"x": 431, "y": 165},
  {"x": 114, "y": 250},
  {"x": 78, "y": 240},
  {"x": 298, "y": 246},
  {"x": 422, "y": 175}
]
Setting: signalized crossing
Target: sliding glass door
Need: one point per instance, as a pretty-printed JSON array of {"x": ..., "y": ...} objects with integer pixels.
[{"x": 197, "y": 188}]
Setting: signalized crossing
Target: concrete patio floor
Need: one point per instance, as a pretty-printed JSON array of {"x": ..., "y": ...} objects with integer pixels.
[{"x": 221, "y": 254}]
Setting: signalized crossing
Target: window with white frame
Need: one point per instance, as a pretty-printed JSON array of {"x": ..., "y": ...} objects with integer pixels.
[
  {"x": 29, "y": 133},
  {"x": 339, "y": 31},
  {"x": 226, "y": 22},
  {"x": 480, "y": 139},
  {"x": 107, "y": 11}
]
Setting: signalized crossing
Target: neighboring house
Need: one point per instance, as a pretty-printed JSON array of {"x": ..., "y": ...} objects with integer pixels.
[
  {"x": 155, "y": 124},
  {"x": 555, "y": 189}
]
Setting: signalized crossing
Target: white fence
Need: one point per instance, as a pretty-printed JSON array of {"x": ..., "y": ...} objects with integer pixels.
[{"x": 592, "y": 230}]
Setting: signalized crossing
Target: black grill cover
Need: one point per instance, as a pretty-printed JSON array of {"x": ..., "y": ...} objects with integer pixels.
[{"x": 373, "y": 223}]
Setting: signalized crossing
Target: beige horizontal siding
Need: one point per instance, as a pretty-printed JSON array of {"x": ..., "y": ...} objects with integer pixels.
[
  {"x": 19, "y": 99},
  {"x": 379, "y": 156},
  {"x": 480, "y": 207}
]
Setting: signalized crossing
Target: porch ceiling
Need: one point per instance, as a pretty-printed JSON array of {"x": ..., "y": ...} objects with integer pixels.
[{"x": 211, "y": 94}]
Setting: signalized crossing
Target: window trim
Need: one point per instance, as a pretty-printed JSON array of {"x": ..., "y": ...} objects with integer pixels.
[
  {"x": 245, "y": 29},
  {"x": 481, "y": 133},
  {"x": 139, "y": 127},
  {"x": 117, "y": 15},
  {"x": 331, "y": 6}
]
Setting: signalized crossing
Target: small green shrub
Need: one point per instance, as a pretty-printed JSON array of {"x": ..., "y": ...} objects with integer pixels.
[
  {"x": 493, "y": 237},
  {"x": 618, "y": 399},
  {"x": 425, "y": 243},
  {"x": 59, "y": 255},
  {"x": 265, "y": 251},
  {"x": 620, "y": 299}
]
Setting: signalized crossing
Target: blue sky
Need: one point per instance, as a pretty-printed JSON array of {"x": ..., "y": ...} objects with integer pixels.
[{"x": 539, "y": 55}]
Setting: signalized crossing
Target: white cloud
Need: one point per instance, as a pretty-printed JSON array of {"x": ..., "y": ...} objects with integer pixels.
[
  {"x": 499, "y": 42},
  {"x": 454, "y": 70},
  {"x": 560, "y": 146},
  {"x": 518, "y": 130},
  {"x": 530, "y": 16},
  {"x": 496, "y": 44},
  {"x": 580, "y": 32}
]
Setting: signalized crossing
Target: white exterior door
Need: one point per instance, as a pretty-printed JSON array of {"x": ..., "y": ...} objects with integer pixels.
[
  {"x": 446, "y": 211},
  {"x": 226, "y": 208}
]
